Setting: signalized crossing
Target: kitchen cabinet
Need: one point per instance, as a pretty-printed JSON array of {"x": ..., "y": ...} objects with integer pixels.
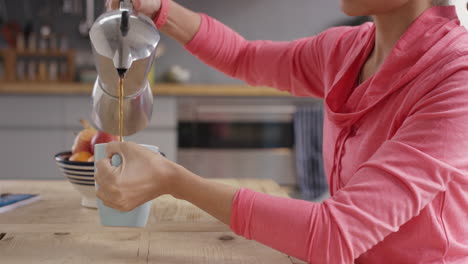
[
  {"x": 34, "y": 128},
  {"x": 27, "y": 153}
]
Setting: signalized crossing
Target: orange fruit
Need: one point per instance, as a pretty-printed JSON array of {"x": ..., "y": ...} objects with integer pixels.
[
  {"x": 80, "y": 156},
  {"x": 91, "y": 159}
]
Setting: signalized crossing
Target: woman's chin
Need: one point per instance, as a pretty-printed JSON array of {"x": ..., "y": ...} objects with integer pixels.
[
  {"x": 347, "y": 11},
  {"x": 353, "y": 14},
  {"x": 353, "y": 9}
]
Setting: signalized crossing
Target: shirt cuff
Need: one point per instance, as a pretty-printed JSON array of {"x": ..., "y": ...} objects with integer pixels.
[
  {"x": 200, "y": 37},
  {"x": 241, "y": 212}
]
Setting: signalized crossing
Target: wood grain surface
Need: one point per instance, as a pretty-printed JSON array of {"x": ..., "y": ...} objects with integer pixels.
[
  {"x": 136, "y": 247},
  {"x": 60, "y": 209},
  {"x": 58, "y": 229}
]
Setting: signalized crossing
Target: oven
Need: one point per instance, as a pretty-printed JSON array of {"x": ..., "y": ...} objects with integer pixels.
[{"x": 237, "y": 138}]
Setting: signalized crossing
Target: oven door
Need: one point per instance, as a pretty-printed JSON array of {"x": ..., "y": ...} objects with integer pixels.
[{"x": 239, "y": 141}]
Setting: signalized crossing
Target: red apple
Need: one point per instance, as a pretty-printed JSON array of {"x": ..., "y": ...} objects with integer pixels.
[{"x": 102, "y": 137}]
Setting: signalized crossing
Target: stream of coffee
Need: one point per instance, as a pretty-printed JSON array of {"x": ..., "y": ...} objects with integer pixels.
[{"x": 121, "y": 114}]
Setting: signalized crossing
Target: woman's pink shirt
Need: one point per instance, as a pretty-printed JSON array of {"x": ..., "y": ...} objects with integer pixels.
[{"x": 395, "y": 147}]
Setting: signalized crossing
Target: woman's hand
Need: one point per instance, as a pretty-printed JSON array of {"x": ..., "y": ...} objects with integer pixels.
[
  {"x": 145, "y": 175},
  {"x": 142, "y": 176},
  {"x": 181, "y": 24},
  {"x": 147, "y": 7}
]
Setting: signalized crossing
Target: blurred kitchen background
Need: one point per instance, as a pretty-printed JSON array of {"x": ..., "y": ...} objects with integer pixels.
[
  {"x": 210, "y": 123},
  {"x": 63, "y": 25}
]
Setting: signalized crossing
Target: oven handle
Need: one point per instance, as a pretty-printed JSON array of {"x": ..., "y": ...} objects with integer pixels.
[{"x": 277, "y": 113}]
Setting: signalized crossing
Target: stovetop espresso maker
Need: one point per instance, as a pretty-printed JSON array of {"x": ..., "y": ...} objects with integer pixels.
[{"x": 124, "y": 44}]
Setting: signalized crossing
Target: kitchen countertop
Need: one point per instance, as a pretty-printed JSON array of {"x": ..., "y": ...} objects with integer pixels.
[
  {"x": 58, "y": 229},
  {"x": 161, "y": 89}
]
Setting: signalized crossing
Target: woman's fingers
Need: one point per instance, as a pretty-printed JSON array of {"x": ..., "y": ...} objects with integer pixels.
[
  {"x": 142, "y": 176},
  {"x": 104, "y": 170},
  {"x": 108, "y": 191},
  {"x": 150, "y": 8},
  {"x": 147, "y": 7},
  {"x": 136, "y": 4},
  {"x": 112, "y": 4},
  {"x": 109, "y": 202},
  {"x": 113, "y": 148}
]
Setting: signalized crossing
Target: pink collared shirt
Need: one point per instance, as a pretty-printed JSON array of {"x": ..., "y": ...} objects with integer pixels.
[{"x": 395, "y": 147}]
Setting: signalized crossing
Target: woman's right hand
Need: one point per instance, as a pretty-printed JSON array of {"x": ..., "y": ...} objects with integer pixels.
[
  {"x": 147, "y": 7},
  {"x": 182, "y": 23}
]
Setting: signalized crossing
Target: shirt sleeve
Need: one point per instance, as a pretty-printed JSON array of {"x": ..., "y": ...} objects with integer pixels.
[
  {"x": 407, "y": 172},
  {"x": 295, "y": 66}
]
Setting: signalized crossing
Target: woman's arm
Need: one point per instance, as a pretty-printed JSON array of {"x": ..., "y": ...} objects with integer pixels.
[
  {"x": 427, "y": 153},
  {"x": 145, "y": 175},
  {"x": 212, "y": 197},
  {"x": 182, "y": 24},
  {"x": 295, "y": 66}
]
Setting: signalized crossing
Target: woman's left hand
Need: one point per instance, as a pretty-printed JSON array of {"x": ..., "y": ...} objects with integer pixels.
[
  {"x": 145, "y": 175},
  {"x": 142, "y": 176}
]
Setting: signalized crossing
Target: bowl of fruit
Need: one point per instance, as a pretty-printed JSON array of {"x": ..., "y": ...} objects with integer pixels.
[{"x": 77, "y": 165}]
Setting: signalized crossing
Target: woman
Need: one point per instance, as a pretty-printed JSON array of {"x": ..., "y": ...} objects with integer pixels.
[{"x": 395, "y": 135}]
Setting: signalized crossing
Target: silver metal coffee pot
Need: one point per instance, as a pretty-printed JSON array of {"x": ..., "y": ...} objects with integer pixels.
[{"x": 124, "y": 44}]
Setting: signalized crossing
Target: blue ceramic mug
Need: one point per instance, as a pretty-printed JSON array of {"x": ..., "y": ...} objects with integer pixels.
[{"x": 137, "y": 217}]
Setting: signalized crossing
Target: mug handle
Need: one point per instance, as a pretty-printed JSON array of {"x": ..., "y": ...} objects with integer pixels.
[{"x": 116, "y": 159}]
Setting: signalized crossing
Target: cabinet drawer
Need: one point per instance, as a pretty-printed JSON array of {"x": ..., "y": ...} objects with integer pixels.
[
  {"x": 164, "y": 112},
  {"x": 29, "y": 154},
  {"x": 28, "y": 111},
  {"x": 76, "y": 108}
]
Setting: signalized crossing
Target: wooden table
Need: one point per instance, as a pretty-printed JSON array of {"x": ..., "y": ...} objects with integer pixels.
[{"x": 58, "y": 230}]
